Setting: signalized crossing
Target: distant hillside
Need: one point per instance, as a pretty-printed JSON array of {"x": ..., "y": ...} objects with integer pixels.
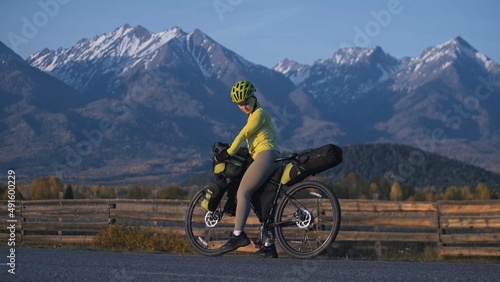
[
  {"x": 410, "y": 166},
  {"x": 402, "y": 163}
]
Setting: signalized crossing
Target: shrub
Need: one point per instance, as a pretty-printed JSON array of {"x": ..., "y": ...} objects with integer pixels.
[
  {"x": 176, "y": 243},
  {"x": 122, "y": 237}
]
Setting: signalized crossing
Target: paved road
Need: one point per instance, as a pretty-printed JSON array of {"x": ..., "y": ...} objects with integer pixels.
[{"x": 75, "y": 265}]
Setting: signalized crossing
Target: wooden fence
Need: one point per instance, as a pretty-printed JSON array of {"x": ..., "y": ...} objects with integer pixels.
[{"x": 465, "y": 228}]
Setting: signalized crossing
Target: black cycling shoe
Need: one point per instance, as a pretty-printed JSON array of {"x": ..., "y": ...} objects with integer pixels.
[
  {"x": 267, "y": 252},
  {"x": 234, "y": 243}
]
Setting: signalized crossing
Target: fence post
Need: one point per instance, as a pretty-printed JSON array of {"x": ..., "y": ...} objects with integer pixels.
[
  {"x": 154, "y": 223},
  {"x": 439, "y": 229},
  {"x": 111, "y": 206},
  {"x": 378, "y": 244},
  {"x": 60, "y": 219}
]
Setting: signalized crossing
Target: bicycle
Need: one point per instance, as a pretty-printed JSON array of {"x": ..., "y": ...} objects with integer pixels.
[{"x": 304, "y": 218}]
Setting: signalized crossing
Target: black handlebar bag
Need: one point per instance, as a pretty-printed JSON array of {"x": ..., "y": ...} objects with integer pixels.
[{"x": 224, "y": 173}]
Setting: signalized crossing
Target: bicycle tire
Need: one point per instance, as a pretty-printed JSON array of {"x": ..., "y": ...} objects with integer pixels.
[
  {"x": 312, "y": 211},
  {"x": 205, "y": 238}
]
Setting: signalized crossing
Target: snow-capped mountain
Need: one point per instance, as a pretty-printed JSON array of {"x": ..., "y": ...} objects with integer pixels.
[
  {"x": 166, "y": 93},
  {"x": 295, "y": 71},
  {"x": 455, "y": 53},
  {"x": 105, "y": 65},
  {"x": 128, "y": 48},
  {"x": 349, "y": 73},
  {"x": 108, "y": 53},
  {"x": 449, "y": 89},
  {"x": 354, "y": 70}
]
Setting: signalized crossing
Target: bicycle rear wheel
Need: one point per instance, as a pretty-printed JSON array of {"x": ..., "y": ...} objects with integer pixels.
[
  {"x": 205, "y": 230},
  {"x": 309, "y": 219}
]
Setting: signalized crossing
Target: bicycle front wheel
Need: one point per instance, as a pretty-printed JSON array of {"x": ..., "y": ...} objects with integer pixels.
[
  {"x": 206, "y": 231},
  {"x": 308, "y": 219}
]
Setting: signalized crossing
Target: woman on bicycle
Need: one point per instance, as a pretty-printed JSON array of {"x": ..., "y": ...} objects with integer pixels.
[{"x": 261, "y": 141}]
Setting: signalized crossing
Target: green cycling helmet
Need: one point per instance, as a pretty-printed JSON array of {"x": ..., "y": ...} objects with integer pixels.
[{"x": 241, "y": 91}]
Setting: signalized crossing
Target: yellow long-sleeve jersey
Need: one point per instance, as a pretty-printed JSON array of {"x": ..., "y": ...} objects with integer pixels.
[{"x": 258, "y": 133}]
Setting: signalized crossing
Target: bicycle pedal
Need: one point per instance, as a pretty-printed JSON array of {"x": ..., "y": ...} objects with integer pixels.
[{"x": 256, "y": 243}]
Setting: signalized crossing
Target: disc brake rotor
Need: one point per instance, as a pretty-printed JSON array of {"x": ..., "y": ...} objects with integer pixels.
[
  {"x": 305, "y": 220},
  {"x": 211, "y": 219}
]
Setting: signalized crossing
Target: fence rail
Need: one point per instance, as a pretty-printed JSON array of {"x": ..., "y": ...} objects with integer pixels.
[{"x": 457, "y": 228}]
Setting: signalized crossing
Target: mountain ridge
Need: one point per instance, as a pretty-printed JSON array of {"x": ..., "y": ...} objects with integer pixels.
[
  {"x": 165, "y": 98},
  {"x": 448, "y": 90}
]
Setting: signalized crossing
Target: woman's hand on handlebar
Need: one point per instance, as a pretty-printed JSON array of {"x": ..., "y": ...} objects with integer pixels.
[{"x": 221, "y": 156}]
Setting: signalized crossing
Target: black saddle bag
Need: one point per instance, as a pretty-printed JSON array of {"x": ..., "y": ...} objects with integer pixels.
[{"x": 311, "y": 162}]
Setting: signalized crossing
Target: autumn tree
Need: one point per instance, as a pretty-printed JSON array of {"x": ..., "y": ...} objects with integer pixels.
[
  {"x": 39, "y": 189},
  {"x": 108, "y": 192},
  {"x": 135, "y": 192},
  {"x": 44, "y": 188},
  {"x": 482, "y": 192},
  {"x": 465, "y": 193},
  {"x": 55, "y": 185},
  {"x": 105, "y": 192},
  {"x": 354, "y": 185},
  {"x": 384, "y": 187},
  {"x": 172, "y": 192},
  {"x": 456, "y": 193},
  {"x": 68, "y": 192},
  {"x": 373, "y": 191},
  {"x": 396, "y": 192},
  {"x": 4, "y": 192},
  {"x": 453, "y": 193}
]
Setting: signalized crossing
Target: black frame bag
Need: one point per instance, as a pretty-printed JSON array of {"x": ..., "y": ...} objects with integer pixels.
[
  {"x": 262, "y": 199},
  {"x": 311, "y": 162}
]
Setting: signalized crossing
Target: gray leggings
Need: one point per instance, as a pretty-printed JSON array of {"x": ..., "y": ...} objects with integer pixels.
[{"x": 257, "y": 173}]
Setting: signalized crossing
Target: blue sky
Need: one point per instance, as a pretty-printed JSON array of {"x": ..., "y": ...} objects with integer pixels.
[{"x": 263, "y": 32}]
